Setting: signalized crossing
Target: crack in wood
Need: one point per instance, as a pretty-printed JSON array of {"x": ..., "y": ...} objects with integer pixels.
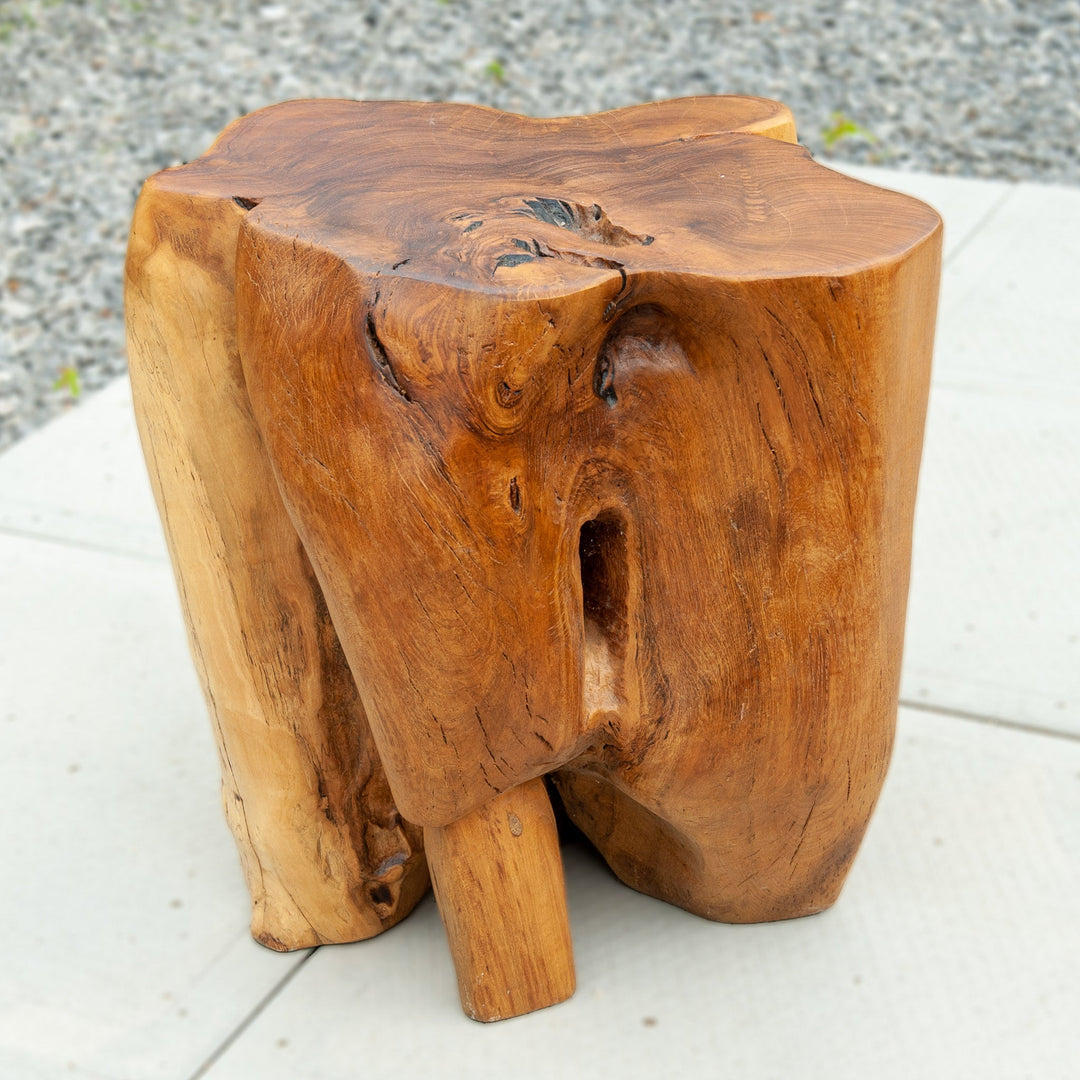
[{"x": 379, "y": 357}]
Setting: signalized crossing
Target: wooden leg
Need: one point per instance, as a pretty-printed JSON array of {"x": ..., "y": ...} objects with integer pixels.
[{"x": 499, "y": 882}]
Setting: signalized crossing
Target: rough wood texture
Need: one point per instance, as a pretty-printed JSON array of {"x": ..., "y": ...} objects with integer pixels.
[{"x": 591, "y": 444}]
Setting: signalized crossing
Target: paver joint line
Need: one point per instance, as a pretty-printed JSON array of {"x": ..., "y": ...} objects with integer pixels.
[
  {"x": 991, "y": 721},
  {"x": 251, "y": 1017}
]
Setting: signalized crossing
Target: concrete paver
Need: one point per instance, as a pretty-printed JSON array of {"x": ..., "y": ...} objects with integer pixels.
[{"x": 125, "y": 947}]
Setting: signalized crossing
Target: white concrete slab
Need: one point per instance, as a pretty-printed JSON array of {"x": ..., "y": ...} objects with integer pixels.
[
  {"x": 1010, "y": 308},
  {"x": 952, "y": 953},
  {"x": 994, "y": 610},
  {"x": 125, "y": 945},
  {"x": 81, "y": 479},
  {"x": 994, "y": 617}
]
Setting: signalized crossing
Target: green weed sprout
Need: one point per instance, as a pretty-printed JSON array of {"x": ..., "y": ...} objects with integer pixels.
[
  {"x": 844, "y": 128},
  {"x": 68, "y": 379}
]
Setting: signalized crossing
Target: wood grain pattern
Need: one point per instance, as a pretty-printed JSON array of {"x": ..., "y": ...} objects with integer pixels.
[{"x": 599, "y": 437}]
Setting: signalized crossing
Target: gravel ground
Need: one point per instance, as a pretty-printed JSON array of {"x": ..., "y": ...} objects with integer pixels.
[{"x": 96, "y": 96}]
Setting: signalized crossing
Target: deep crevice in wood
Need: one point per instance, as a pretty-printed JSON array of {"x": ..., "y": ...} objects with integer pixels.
[
  {"x": 605, "y": 577},
  {"x": 378, "y": 355}
]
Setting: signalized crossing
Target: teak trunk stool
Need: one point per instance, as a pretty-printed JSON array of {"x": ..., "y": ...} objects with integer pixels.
[{"x": 492, "y": 449}]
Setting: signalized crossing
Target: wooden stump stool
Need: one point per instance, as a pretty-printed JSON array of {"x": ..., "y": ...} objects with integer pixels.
[{"x": 492, "y": 449}]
